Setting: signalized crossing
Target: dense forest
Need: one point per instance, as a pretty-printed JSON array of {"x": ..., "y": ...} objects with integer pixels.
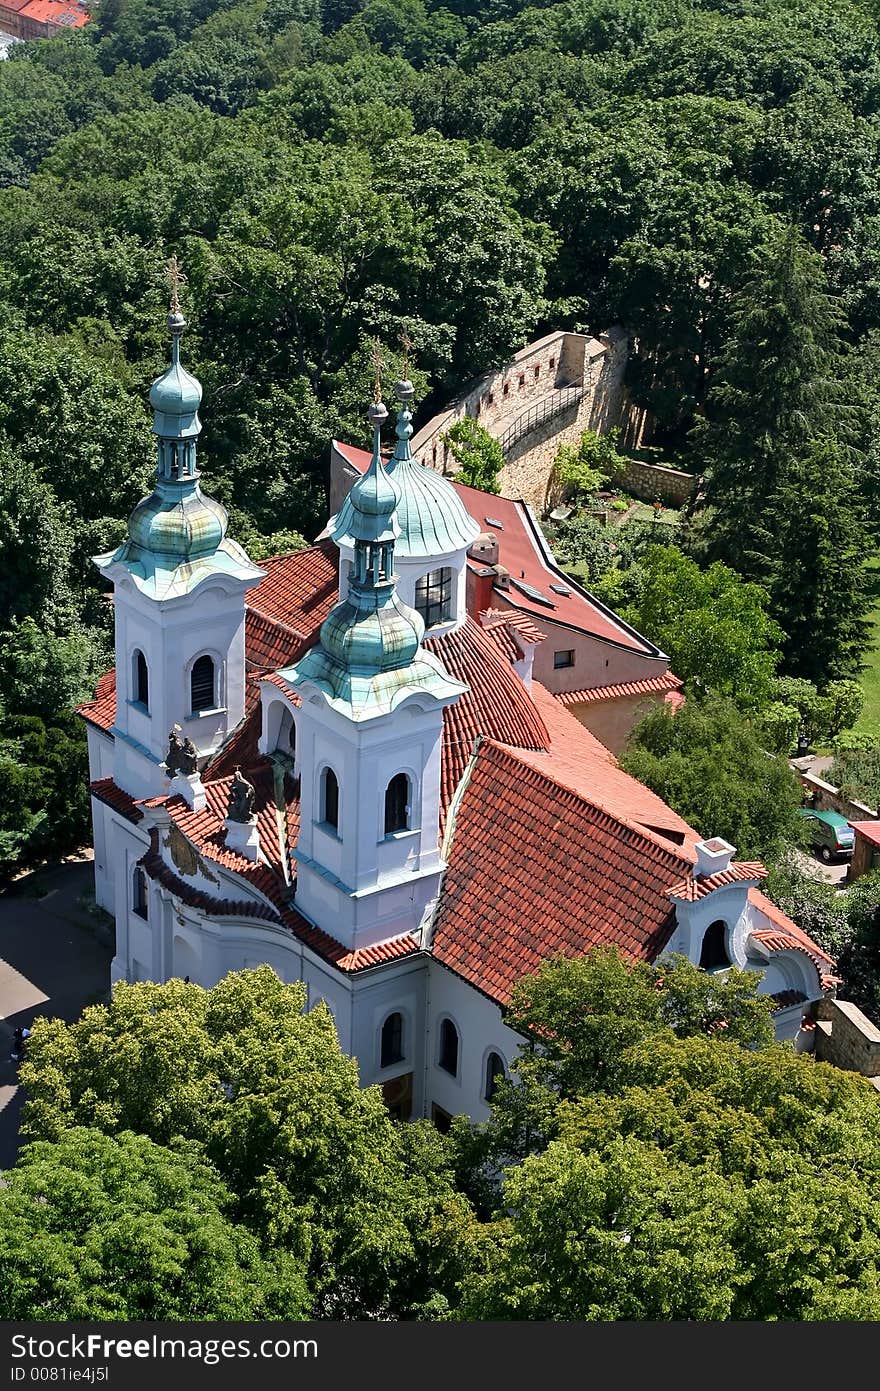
[{"x": 470, "y": 174}]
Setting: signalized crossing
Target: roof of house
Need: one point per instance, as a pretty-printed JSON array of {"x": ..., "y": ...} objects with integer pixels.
[
  {"x": 68, "y": 13},
  {"x": 652, "y": 685},
  {"x": 533, "y": 573},
  {"x": 868, "y": 830},
  {"x": 536, "y": 868},
  {"x": 550, "y": 845}
]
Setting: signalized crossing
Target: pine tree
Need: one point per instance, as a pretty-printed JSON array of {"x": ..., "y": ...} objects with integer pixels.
[
  {"x": 773, "y": 393},
  {"x": 819, "y": 586}
]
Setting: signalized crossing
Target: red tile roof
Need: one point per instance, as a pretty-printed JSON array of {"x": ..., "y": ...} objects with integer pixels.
[
  {"x": 299, "y": 590},
  {"x": 577, "y": 760},
  {"x": 497, "y": 703},
  {"x": 868, "y": 830},
  {"x": 101, "y": 712},
  {"x": 509, "y": 618},
  {"x": 693, "y": 888},
  {"x": 650, "y": 686},
  {"x": 522, "y": 551},
  {"x": 67, "y": 14},
  {"x": 535, "y": 868},
  {"x": 105, "y": 790}
]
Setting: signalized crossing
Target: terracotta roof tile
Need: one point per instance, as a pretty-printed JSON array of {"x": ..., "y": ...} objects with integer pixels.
[
  {"x": 650, "y": 686},
  {"x": 101, "y": 711},
  {"x": 299, "y": 590},
  {"x": 496, "y": 704},
  {"x": 535, "y": 868},
  {"x": 693, "y": 888},
  {"x": 105, "y": 790}
]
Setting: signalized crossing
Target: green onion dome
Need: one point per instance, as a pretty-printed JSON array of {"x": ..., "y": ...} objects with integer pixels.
[{"x": 178, "y": 521}]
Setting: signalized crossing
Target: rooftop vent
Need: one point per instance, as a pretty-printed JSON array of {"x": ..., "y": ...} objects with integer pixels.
[
  {"x": 561, "y": 589},
  {"x": 502, "y": 577}
]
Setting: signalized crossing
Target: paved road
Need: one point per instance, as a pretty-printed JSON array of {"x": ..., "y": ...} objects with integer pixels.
[{"x": 50, "y": 963}]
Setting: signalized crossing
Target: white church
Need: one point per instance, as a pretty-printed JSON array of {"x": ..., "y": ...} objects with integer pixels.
[{"x": 328, "y": 764}]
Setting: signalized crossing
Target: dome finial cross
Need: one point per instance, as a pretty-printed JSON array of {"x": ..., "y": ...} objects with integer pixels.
[{"x": 176, "y": 278}]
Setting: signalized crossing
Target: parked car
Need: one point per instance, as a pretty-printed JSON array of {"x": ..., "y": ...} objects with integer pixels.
[{"x": 831, "y": 835}]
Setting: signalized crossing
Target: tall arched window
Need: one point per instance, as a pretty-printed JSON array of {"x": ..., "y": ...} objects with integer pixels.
[
  {"x": 397, "y": 804},
  {"x": 494, "y": 1070},
  {"x": 434, "y": 596},
  {"x": 330, "y": 798},
  {"x": 141, "y": 679},
  {"x": 448, "y": 1058},
  {"x": 139, "y": 899},
  {"x": 201, "y": 683},
  {"x": 713, "y": 953},
  {"x": 391, "y": 1050}
]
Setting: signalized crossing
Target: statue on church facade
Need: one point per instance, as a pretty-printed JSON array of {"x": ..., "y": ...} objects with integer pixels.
[
  {"x": 241, "y": 799},
  {"x": 182, "y": 755}
]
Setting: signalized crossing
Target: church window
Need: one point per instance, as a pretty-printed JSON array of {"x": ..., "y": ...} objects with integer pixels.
[
  {"x": 330, "y": 798},
  {"x": 434, "y": 595},
  {"x": 392, "y": 1041},
  {"x": 202, "y": 685},
  {"x": 397, "y": 804},
  {"x": 494, "y": 1070},
  {"x": 448, "y": 1059},
  {"x": 141, "y": 680},
  {"x": 713, "y": 954},
  {"x": 139, "y": 893}
]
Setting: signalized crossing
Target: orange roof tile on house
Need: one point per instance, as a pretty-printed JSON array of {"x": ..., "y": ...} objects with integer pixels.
[
  {"x": 101, "y": 711},
  {"x": 868, "y": 830},
  {"x": 536, "y": 868},
  {"x": 576, "y": 759},
  {"x": 105, "y": 790},
  {"x": 67, "y": 14},
  {"x": 299, "y": 590},
  {"x": 694, "y": 887},
  {"x": 652, "y": 685}
]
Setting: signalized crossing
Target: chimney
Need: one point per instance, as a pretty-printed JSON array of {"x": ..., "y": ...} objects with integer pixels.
[
  {"x": 713, "y": 857},
  {"x": 480, "y": 580},
  {"x": 485, "y": 549},
  {"x": 502, "y": 577}
]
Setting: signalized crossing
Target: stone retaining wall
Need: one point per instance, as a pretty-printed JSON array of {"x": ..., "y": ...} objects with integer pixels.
[
  {"x": 499, "y": 397},
  {"x": 826, "y": 797},
  {"x": 849, "y": 1039},
  {"x": 649, "y": 482}
]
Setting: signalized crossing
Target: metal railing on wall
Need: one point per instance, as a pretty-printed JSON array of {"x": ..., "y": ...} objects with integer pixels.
[{"x": 553, "y": 404}]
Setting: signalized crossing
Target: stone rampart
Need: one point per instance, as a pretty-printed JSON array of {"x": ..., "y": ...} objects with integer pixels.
[
  {"x": 849, "y": 1039},
  {"x": 673, "y": 487},
  {"x": 547, "y": 395}
]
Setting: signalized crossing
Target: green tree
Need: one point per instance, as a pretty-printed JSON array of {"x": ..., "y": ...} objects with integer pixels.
[
  {"x": 36, "y": 539},
  {"x": 772, "y": 394},
  {"x": 101, "y": 1227},
  {"x": 714, "y": 626},
  {"x": 479, "y": 456},
  {"x": 315, "y": 1163},
  {"x": 580, "y": 469},
  {"x": 708, "y": 763},
  {"x": 820, "y": 586}
]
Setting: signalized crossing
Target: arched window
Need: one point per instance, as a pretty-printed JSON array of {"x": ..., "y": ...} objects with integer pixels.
[
  {"x": 139, "y": 899},
  {"x": 141, "y": 679},
  {"x": 397, "y": 804},
  {"x": 201, "y": 684},
  {"x": 434, "y": 596},
  {"x": 448, "y": 1059},
  {"x": 494, "y": 1070},
  {"x": 330, "y": 798},
  {"x": 713, "y": 954},
  {"x": 392, "y": 1041}
]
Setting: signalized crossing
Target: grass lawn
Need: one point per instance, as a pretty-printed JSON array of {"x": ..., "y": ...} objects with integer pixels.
[{"x": 869, "y": 720}]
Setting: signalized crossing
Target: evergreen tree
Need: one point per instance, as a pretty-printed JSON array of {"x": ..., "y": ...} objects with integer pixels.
[
  {"x": 772, "y": 395},
  {"x": 819, "y": 585}
]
